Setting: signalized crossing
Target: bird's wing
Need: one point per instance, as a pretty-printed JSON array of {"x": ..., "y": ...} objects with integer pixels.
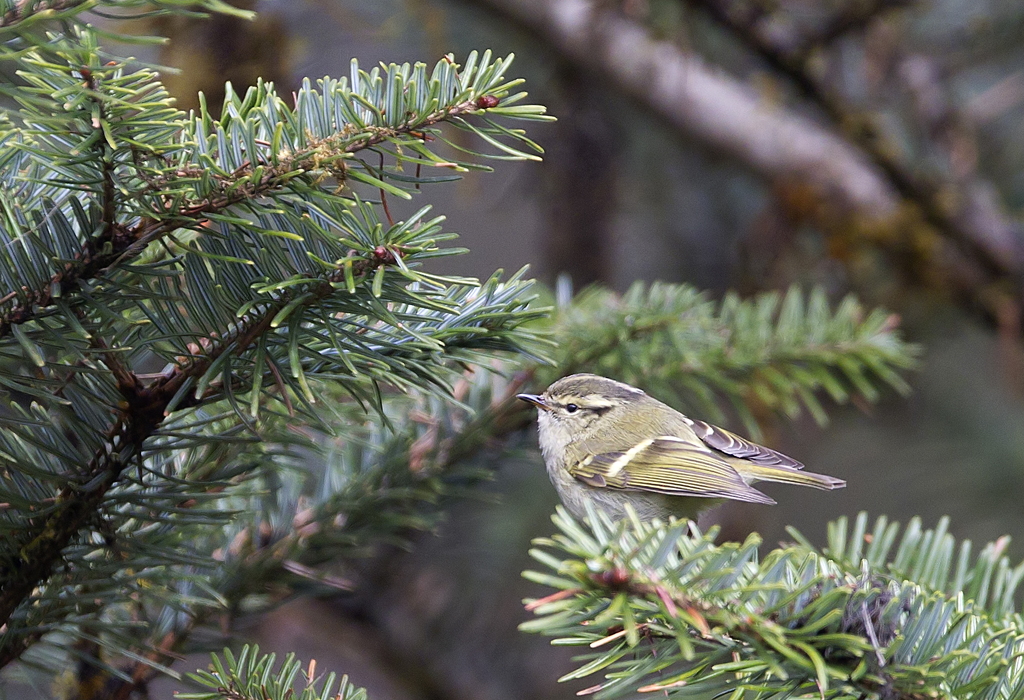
[
  {"x": 735, "y": 446},
  {"x": 667, "y": 465}
]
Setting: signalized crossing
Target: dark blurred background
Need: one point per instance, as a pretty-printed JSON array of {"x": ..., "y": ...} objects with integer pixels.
[{"x": 870, "y": 146}]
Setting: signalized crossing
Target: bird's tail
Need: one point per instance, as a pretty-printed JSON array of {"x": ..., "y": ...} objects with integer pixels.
[{"x": 787, "y": 475}]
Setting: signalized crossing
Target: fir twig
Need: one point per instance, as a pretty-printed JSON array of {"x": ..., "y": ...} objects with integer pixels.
[
  {"x": 147, "y": 406},
  {"x": 16, "y": 13},
  {"x": 716, "y": 620},
  {"x": 228, "y": 249},
  {"x": 118, "y": 243}
]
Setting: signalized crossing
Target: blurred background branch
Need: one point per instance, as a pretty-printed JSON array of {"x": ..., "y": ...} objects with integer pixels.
[
  {"x": 853, "y": 163},
  {"x": 961, "y": 207},
  {"x": 702, "y": 101}
]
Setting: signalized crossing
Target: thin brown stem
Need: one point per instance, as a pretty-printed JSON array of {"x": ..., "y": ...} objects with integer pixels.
[
  {"x": 384, "y": 196},
  {"x": 854, "y": 17}
]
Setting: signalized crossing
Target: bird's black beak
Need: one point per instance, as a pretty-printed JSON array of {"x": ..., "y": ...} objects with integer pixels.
[{"x": 535, "y": 399}]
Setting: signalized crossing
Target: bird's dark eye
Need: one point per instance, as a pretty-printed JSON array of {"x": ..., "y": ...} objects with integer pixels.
[{"x": 571, "y": 408}]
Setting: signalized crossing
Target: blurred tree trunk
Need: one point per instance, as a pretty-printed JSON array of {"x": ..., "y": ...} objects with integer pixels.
[
  {"x": 580, "y": 179},
  {"x": 213, "y": 50}
]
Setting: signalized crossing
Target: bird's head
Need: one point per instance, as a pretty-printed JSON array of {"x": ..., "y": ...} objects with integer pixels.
[{"x": 576, "y": 407}]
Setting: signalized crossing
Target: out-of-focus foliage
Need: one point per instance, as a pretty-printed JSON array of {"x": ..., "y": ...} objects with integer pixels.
[
  {"x": 775, "y": 352},
  {"x": 29, "y": 24}
]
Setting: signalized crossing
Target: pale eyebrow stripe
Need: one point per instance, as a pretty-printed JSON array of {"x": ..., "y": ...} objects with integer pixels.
[
  {"x": 595, "y": 401},
  {"x": 590, "y": 401}
]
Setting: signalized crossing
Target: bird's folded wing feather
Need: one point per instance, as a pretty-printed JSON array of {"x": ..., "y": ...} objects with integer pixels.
[
  {"x": 735, "y": 446},
  {"x": 670, "y": 466}
]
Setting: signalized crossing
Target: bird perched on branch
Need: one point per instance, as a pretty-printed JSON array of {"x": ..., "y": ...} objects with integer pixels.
[{"x": 612, "y": 444}]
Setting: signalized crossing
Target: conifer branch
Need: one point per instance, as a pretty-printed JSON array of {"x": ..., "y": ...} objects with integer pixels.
[
  {"x": 663, "y": 607},
  {"x": 14, "y": 14},
  {"x": 118, "y": 244},
  {"x": 306, "y": 279},
  {"x": 146, "y": 406},
  {"x": 145, "y": 409}
]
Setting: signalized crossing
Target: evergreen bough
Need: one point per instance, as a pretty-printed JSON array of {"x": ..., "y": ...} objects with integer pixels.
[
  {"x": 667, "y": 610},
  {"x": 180, "y": 292}
]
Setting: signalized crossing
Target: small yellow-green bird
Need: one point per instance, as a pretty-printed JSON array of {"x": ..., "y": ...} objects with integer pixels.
[{"x": 612, "y": 444}]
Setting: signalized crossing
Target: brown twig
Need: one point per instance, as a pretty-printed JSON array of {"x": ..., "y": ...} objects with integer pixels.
[
  {"x": 384, "y": 196},
  {"x": 854, "y": 17}
]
